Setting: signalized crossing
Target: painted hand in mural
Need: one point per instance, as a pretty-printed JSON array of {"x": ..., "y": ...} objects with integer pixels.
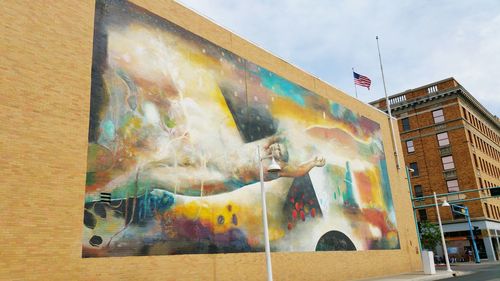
[{"x": 303, "y": 168}]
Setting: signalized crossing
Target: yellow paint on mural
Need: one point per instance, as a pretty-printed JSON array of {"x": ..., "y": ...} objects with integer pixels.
[
  {"x": 377, "y": 196},
  {"x": 218, "y": 217},
  {"x": 282, "y": 107}
]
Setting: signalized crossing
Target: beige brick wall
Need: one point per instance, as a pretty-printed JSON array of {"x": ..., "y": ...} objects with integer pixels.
[{"x": 45, "y": 70}]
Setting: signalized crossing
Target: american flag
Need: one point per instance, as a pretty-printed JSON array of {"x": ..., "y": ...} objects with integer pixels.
[{"x": 361, "y": 80}]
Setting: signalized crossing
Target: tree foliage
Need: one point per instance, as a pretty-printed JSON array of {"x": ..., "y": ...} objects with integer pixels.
[{"x": 430, "y": 235}]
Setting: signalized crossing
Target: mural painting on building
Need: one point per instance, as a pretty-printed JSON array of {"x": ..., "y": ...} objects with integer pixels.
[{"x": 172, "y": 168}]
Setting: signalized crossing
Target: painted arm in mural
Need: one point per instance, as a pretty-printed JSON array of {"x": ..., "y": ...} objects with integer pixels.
[
  {"x": 291, "y": 170},
  {"x": 190, "y": 178},
  {"x": 302, "y": 169}
]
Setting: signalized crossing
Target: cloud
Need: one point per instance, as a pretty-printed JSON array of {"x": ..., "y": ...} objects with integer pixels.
[{"x": 421, "y": 41}]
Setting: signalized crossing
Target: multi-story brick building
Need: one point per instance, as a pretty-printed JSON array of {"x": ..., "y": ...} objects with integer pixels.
[{"x": 452, "y": 143}]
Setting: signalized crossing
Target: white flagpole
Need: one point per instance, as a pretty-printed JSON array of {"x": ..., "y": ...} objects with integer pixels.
[
  {"x": 388, "y": 109},
  {"x": 355, "y": 89}
]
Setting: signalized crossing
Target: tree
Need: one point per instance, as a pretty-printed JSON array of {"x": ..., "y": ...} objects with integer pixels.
[{"x": 430, "y": 235}]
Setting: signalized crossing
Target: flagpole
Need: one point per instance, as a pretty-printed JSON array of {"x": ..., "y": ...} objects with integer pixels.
[
  {"x": 388, "y": 109},
  {"x": 355, "y": 89}
]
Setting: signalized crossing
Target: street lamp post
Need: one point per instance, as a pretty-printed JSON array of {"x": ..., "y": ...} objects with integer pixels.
[
  {"x": 273, "y": 167},
  {"x": 465, "y": 211},
  {"x": 443, "y": 242}
]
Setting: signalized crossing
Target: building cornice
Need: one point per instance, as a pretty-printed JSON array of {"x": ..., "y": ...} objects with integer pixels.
[{"x": 458, "y": 91}]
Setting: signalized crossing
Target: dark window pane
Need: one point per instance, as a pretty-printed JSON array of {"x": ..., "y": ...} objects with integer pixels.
[
  {"x": 414, "y": 166},
  {"x": 406, "y": 124},
  {"x": 422, "y": 214},
  {"x": 418, "y": 191}
]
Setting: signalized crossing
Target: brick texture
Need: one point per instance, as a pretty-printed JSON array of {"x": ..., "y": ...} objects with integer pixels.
[{"x": 45, "y": 72}]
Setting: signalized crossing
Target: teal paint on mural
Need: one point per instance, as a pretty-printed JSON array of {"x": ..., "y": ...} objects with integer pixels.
[
  {"x": 109, "y": 129},
  {"x": 282, "y": 86}
]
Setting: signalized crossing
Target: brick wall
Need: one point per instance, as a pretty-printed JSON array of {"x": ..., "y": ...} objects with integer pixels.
[{"x": 45, "y": 75}]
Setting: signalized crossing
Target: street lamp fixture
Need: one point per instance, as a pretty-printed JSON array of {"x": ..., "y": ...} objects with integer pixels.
[{"x": 272, "y": 168}]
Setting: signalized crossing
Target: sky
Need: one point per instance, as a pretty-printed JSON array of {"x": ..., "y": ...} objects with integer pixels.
[{"x": 421, "y": 42}]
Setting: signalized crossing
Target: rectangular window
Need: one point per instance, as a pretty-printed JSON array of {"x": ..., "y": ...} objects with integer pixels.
[
  {"x": 487, "y": 210},
  {"x": 438, "y": 116},
  {"x": 409, "y": 146},
  {"x": 406, "y": 124},
  {"x": 418, "y": 191},
  {"x": 422, "y": 214},
  {"x": 414, "y": 166},
  {"x": 448, "y": 162},
  {"x": 452, "y": 185},
  {"x": 443, "y": 139}
]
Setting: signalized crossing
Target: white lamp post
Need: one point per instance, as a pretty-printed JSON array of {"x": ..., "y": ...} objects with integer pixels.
[
  {"x": 445, "y": 250},
  {"x": 273, "y": 167}
]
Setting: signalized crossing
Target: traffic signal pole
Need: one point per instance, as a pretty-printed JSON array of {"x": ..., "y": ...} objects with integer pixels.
[
  {"x": 464, "y": 210},
  {"x": 472, "y": 237}
]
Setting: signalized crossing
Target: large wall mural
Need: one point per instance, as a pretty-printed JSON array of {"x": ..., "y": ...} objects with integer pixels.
[{"x": 172, "y": 166}]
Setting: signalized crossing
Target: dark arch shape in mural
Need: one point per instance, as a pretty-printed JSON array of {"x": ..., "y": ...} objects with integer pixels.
[{"x": 335, "y": 241}]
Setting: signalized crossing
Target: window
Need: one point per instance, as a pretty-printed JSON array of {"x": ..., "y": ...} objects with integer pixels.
[
  {"x": 452, "y": 185},
  {"x": 487, "y": 210},
  {"x": 443, "y": 139},
  {"x": 406, "y": 124},
  {"x": 448, "y": 162},
  {"x": 438, "y": 116},
  {"x": 422, "y": 214},
  {"x": 409, "y": 146},
  {"x": 414, "y": 166},
  {"x": 418, "y": 191}
]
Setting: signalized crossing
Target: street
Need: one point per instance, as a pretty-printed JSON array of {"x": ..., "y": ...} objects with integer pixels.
[{"x": 485, "y": 271}]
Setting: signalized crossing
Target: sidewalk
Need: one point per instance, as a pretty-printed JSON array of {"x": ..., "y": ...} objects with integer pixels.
[
  {"x": 420, "y": 276},
  {"x": 459, "y": 269}
]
